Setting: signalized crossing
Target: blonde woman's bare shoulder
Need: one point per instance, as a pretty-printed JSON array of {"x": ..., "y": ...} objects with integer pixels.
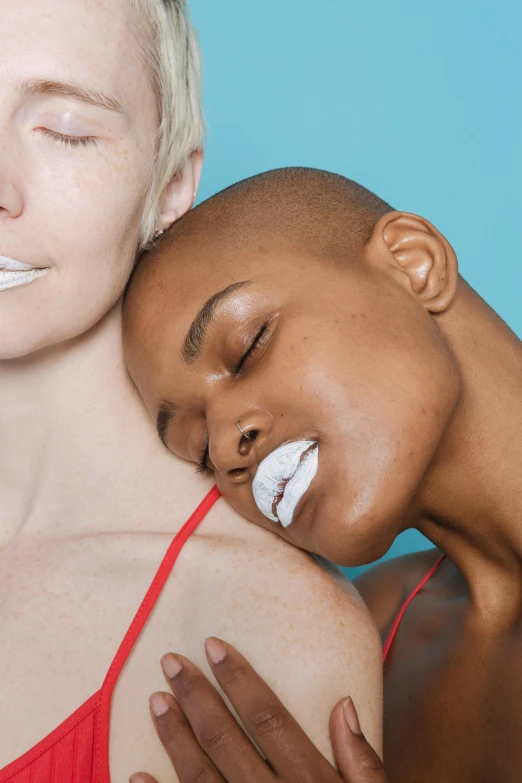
[
  {"x": 304, "y": 627},
  {"x": 306, "y": 632},
  {"x": 265, "y": 564}
]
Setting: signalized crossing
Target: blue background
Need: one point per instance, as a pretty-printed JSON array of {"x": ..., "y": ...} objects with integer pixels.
[{"x": 420, "y": 102}]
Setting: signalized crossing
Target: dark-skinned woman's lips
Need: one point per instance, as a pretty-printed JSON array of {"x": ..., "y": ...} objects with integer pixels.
[{"x": 283, "y": 478}]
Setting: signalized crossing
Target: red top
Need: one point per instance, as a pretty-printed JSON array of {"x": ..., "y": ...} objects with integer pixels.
[
  {"x": 78, "y": 750},
  {"x": 398, "y": 619}
]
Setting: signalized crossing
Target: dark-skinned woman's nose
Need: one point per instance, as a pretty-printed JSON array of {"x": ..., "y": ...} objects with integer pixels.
[{"x": 237, "y": 450}]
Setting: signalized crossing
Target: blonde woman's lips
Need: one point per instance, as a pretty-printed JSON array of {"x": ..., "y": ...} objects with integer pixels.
[
  {"x": 283, "y": 478},
  {"x": 14, "y": 273}
]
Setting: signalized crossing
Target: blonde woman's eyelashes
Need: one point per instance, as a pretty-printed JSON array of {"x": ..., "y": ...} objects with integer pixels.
[{"x": 68, "y": 140}]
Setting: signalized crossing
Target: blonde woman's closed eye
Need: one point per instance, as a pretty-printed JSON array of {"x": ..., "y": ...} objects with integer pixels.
[{"x": 69, "y": 140}]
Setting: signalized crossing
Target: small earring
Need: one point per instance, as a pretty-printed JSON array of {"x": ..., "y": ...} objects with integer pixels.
[{"x": 158, "y": 233}]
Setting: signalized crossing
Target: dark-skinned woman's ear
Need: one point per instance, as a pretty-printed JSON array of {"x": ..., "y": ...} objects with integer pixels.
[{"x": 412, "y": 251}]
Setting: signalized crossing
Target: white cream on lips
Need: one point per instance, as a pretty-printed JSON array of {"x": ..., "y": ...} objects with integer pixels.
[
  {"x": 283, "y": 478},
  {"x": 14, "y": 273}
]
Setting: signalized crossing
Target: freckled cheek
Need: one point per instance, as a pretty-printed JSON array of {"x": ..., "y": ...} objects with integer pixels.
[
  {"x": 121, "y": 171},
  {"x": 132, "y": 162},
  {"x": 102, "y": 194}
]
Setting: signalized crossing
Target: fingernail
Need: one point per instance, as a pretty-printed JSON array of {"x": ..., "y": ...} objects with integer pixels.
[
  {"x": 159, "y": 704},
  {"x": 351, "y": 716},
  {"x": 216, "y": 650},
  {"x": 171, "y": 665}
]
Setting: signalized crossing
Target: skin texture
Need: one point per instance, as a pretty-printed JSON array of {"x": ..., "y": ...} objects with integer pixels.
[
  {"x": 90, "y": 498},
  {"x": 412, "y": 385}
]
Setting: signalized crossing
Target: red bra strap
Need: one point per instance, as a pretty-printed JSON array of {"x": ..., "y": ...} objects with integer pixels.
[
  {"x": 398, "y": 619},
  {"x": 141, "y": 618}
]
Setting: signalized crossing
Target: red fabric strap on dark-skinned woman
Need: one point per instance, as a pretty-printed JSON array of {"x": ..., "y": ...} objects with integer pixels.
[{"x": 398, "y": 619}]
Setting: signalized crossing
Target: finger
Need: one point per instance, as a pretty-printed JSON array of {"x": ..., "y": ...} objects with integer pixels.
[
  {"x": 142, "y": 777},
  {"x": 213, "y": 725},
  {"x": 288, "y": 749},
  {"x": 190, "y": 761},
  {"x": 356, "y": 759}
]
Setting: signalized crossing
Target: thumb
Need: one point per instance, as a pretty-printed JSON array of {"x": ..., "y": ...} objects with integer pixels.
[{"x": 356, "y": 759}]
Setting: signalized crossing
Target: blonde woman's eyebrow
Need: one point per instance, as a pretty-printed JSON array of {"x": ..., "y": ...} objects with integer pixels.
[{"x": 71, "y": 90}]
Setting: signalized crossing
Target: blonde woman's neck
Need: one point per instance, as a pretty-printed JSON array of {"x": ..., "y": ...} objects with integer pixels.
[{"x": 79, "y": 453}]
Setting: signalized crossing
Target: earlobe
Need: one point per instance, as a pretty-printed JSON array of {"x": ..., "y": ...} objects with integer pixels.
[
  {"x": 418, "y": 257},
  {"x": 180, "y": 194}
]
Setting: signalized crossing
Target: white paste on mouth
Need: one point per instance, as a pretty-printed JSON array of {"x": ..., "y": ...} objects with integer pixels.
[
  {"x": 14, "y": 273},
  {"x": 285, "y": 471}
]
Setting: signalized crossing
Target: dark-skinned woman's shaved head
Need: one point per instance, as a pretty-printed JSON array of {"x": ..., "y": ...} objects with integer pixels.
[{"x": 321, "y": 211}]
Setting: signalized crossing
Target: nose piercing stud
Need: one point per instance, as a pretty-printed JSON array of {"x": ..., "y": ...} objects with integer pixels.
[{"x": 242, "y": 431}]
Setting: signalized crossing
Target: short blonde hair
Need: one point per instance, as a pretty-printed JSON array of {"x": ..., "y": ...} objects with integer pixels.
[{"x": 170, "y": 50}]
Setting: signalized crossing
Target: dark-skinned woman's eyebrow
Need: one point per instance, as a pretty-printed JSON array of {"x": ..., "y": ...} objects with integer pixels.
[
  {"x": 197, "y": 332},
  {"x": 166, "y": 412}
]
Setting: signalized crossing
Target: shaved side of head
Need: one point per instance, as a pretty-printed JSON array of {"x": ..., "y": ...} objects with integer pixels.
[{"x": 324, "y": 213}]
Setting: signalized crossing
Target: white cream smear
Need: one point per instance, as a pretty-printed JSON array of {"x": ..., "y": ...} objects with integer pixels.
[
  {"x": 14, "y": 273},
  {"x": 283, "y": 478}
]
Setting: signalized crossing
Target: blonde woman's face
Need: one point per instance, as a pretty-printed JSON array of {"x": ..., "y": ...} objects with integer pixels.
[{"x": 77, "y": 142}]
